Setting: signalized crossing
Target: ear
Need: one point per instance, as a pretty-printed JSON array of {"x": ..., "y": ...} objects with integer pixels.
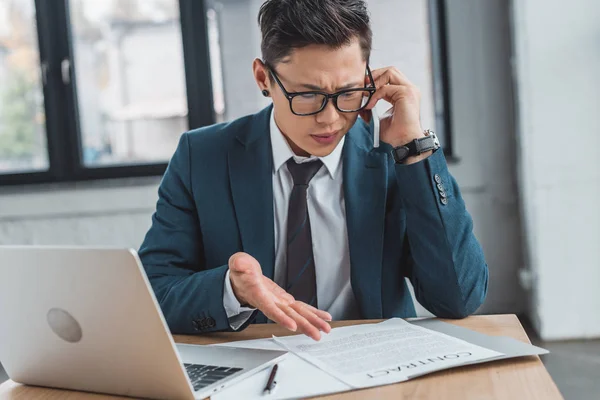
[{"x": 261, "y": 74}]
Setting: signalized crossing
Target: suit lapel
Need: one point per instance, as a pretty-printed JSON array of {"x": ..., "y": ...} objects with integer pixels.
[
  {"x": 365, "y": 192},
  {"x": 250, "y": 174}
]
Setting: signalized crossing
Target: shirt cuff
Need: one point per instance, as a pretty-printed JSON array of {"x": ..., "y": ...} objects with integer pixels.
[{"x": 236, "y": 314}]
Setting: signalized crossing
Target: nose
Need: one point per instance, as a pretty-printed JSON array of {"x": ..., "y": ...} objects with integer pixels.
[{"x": 329, "y": 115}]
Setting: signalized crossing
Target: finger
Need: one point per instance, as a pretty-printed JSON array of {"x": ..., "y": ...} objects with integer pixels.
[
  {"x": 324, "y": 315},
  {"x": 283, "y": 296},
  {"x": 311, "y": 317},
  {"x": 391, "y": 76},
  {"x": 303, "y": 325},
  {"x": 377, "y": 73},
  {"x": 275, "y": 313},
  {"x": 391, "y": 94}
]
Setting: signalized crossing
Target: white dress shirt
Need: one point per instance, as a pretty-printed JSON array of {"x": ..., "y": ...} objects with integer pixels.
[{"x": 327, "y": 211}]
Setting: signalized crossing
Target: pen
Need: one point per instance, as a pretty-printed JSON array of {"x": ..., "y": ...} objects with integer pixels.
[{"x": 271, "y": 383}]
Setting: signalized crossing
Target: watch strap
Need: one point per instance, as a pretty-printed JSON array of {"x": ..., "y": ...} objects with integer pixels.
[{"x": 415, "y": 147}]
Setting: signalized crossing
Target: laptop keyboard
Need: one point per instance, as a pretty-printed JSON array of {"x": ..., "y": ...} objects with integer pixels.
[{"x": 202, "y": 376}]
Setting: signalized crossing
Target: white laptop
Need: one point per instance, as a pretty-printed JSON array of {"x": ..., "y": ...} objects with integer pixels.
[{"x": 86, "y": 319}]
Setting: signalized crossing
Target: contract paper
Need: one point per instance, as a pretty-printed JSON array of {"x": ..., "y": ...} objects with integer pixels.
[
  {"x": 372, "y": 355},
  {"x": 296, "y": 378}
]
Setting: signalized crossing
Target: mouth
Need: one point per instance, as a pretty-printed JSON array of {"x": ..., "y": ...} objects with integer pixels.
[{"x": 325, "y": 138}]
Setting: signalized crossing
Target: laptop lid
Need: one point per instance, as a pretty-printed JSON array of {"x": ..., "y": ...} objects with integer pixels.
[{"x": 85, "y": 319}]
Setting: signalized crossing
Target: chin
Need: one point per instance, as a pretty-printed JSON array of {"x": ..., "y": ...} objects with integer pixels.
[
  {"x": 321, "y": 152},
  {"x": 310, "y": 146},
  {"x": 322, "y": 149}
]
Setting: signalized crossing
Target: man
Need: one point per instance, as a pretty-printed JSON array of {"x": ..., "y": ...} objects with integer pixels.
[{"x": 292, "y": 215}]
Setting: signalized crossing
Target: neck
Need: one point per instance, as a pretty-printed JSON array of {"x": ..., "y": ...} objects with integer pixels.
[{"x": 295, "y": 148}]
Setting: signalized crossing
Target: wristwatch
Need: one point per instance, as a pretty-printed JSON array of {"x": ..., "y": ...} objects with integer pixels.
[{"x": 416, "y": 147}]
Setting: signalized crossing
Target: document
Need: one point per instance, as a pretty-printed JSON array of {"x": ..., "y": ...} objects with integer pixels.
[
  {"x": 292, "y": 378},
  {"x": 299, "y": 378},
  {"x": 378, "y": 354}
]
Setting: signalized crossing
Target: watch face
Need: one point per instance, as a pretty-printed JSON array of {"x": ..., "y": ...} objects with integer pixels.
[
  {"x": 436, "y": 141},
  {"x": 401, "y": 152}
]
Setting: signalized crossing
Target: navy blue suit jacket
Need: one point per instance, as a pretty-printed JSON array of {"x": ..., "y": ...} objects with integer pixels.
[{"x": 216, "y": 199}]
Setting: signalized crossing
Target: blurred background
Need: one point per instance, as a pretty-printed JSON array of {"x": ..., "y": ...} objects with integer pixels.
[{"x": 94, "y": 95}]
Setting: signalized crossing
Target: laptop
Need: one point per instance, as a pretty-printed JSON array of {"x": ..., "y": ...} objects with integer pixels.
[{"x": 86, "y": 319}]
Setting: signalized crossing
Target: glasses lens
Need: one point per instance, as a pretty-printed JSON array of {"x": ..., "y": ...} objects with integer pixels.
[
  {"x": 353, "y": 101},
  {"x": 307, "y": 103}
]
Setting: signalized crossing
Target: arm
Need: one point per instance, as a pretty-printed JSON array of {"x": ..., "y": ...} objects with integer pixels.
[
  {"x": 190, "y": 295},
  {"x": 446, "y": 264}
]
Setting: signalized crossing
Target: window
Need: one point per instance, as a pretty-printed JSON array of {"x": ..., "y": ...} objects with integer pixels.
[
  {"x": 103, "y": 89},
  {"x": 130, "y": 79},
  {"x": 22, "y": 121}
]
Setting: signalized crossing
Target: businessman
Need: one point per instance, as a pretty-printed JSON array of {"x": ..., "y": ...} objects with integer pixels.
[{"x": 293, "y": 215}]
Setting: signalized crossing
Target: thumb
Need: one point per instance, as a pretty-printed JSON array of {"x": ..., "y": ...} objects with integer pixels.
[{"x": 243, "y": 263}]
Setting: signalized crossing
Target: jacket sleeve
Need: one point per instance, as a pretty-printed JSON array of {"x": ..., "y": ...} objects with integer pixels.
[
  {"x": 446, "y": 265},
  {"x": 190, "y": 295}
]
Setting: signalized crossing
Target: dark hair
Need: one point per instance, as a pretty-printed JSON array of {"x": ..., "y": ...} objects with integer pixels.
[{"x": 292, "y": 24}]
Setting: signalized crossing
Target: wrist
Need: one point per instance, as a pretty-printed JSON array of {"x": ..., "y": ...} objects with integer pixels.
[
  {"x": 237, "y": 293},
  {"x": 417, "y": 158},
  {"x": 405, "y": 137}
]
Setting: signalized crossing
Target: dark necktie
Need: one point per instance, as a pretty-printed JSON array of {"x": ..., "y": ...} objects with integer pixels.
[{"x": 301, "y": 277}]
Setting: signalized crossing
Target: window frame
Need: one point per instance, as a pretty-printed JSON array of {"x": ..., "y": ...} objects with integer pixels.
[
  {"x": 61, "y": 107},
  {"x": 438, "y": 38}
]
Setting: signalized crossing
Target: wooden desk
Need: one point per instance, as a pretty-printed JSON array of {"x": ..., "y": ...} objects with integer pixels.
[{"x": 520, "y": 378}]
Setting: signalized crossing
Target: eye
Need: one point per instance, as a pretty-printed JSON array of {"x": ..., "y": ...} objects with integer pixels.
[{"x": 308, "y": 96}]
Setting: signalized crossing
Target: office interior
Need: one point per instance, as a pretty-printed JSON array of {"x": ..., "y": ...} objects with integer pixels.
[{"x": 511, "y": 87}]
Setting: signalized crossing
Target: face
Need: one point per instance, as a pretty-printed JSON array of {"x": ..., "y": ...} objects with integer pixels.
[{"x": 311, "y": 68}]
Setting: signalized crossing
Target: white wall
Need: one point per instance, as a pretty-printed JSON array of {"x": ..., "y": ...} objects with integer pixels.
[
  {"x": 557, "y": 66},
  {"x": 107, "y": 213},
  {"x": 98, "y": 213}
]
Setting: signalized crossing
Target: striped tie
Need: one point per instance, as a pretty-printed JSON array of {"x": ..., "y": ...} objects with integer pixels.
[{"x": 301, "y": 277}]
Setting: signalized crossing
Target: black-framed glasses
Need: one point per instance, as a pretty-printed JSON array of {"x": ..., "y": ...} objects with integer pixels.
[{"x": 313, "y": 102}]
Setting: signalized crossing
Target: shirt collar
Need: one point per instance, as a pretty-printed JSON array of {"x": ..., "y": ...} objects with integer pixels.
[{"x": 282, "y": 151}]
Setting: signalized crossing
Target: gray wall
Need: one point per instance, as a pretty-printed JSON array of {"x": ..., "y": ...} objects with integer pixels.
[
  {"x": 102, "y": 213},
  {"x": 484, "y": 139},
  {"x": 557, "y": 65}
]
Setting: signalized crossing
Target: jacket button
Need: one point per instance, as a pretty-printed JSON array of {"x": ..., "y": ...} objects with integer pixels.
[
  {"x": 444, "y": 200},
  {"x": 437, "y": 178},
  {"x": 443, "y": 194},
  {"x": 440, "y": 187},
  {"x": 210, "y": 322}
]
